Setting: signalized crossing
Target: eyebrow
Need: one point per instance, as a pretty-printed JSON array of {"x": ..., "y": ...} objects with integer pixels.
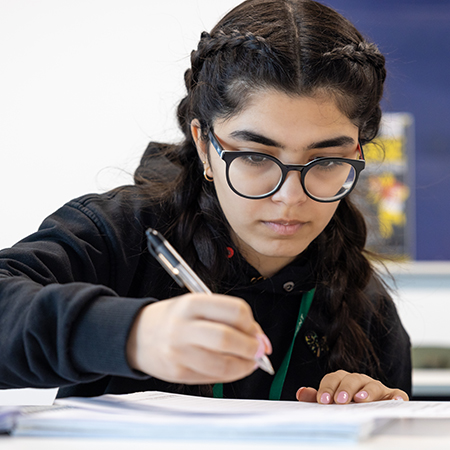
[
  {"x": 339, "y": 141},
  {"x": 250, "y": 136}
]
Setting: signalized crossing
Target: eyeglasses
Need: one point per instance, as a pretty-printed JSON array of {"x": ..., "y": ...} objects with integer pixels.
[{"x": 256, "y": 175}]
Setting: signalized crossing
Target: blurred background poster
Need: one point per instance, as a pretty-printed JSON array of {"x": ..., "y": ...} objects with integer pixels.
[{"x": 388, "y": 188}]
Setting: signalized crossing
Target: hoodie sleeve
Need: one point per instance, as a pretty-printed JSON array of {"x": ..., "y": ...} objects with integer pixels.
[{"x": 66, "y": 307}]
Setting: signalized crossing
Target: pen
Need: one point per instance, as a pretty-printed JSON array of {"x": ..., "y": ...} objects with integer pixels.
[{"x": 177, "y": 267}]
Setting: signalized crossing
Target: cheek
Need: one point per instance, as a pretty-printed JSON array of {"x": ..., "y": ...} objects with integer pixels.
[
  {"x": 325, "y": 213},
  {"x": 236, "y": 209},
  {"x": 233, "y": 206}
]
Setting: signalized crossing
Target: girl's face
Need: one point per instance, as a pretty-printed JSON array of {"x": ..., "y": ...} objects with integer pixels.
[{"x": 271, "y": 232}]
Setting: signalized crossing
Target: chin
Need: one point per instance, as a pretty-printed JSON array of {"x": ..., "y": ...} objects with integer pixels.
[{"x": 284, "y": 251}]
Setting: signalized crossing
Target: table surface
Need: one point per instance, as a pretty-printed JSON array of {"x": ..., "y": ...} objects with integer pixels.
[
  {"x": 411, "y": 434},
  {"x": 381, "y": 442}
]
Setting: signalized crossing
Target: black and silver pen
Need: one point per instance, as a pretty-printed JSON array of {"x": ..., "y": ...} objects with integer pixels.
[{"x": 175, "y": 265}]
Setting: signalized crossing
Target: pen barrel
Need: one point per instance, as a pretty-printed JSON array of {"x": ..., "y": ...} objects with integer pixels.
[
  {"x": 174, "y": 264},
  {"x": 191, "y": 280}
]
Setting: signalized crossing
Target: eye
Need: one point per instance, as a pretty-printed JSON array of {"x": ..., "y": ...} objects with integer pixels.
[
  {"x": 256, "y": 159},
  {"x": 327, "y": 164}
]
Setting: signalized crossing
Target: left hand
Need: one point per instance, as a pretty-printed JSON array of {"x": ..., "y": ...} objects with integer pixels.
[{"x": 342, "y": 387}]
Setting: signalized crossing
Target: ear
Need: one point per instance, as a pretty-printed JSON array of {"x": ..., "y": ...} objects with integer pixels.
[{"x": 202, "y": 146}]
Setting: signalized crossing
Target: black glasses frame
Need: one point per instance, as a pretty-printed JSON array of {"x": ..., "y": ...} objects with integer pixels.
[{"x": 229, "y": 155}]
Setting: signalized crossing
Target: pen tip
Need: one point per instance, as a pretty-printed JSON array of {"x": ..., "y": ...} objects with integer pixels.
[{"x": 265, "y": 364}]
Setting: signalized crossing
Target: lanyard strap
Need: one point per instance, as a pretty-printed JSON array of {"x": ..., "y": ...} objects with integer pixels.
[{"x": 280, "y": 376}]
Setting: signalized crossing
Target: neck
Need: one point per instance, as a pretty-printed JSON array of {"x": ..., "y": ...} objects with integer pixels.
[{"x": 267, "y": 266}]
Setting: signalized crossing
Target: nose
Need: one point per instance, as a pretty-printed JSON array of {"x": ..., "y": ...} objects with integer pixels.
[{"x": 291, "y": 191}]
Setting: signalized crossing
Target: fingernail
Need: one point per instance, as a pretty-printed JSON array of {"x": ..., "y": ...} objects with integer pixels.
[
  {"x": 261, "y": 348},
  {"x": 267, "y": 342},
  {"x": 299, "y": 391},
  {"x": 342, "y": 397},
  {"x": 362, "y": 395},
  {"x": 398, "y": 398},
  {"x": 325, "y": 398}
]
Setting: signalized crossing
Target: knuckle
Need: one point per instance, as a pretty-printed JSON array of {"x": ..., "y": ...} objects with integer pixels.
[
  {"x": 223, "y": 340},
  {"x": 341, "y": 373},
  {"x": 243, "y": 311},
  {"x": 185, "y": 304},
  {"x": 376, "y": 384},
  {"x": 178, "y": 373}
]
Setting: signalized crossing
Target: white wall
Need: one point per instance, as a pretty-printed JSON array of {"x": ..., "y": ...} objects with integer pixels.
[
  {"x": 84, "y": 85},
  {"x": 422, "y": 295}
]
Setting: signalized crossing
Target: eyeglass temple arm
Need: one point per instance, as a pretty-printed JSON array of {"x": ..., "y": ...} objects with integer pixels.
[
  {"x": 361, "y": 152},
  {"x": 215, "y": 143}
]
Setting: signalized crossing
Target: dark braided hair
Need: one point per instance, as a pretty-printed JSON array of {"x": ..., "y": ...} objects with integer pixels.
[{"x": 300, "y": 48}]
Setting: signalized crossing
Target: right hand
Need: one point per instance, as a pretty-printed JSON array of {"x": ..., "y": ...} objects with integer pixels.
[{"x": 196, "y": 339}]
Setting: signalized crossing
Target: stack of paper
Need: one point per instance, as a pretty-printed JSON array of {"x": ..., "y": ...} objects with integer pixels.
[
  {"x": 159, "y": 415},
  {"x": 11, "y": 399}
]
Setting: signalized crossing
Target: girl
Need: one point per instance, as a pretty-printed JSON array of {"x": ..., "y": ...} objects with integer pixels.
[{"x": 281, "y": 97}]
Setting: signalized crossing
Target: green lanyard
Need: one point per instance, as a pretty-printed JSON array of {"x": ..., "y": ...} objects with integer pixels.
[{"x": 280, "y": 376}]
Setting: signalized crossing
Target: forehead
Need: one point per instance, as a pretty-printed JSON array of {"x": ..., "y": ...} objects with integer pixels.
[{"x": 278, "y": 115}]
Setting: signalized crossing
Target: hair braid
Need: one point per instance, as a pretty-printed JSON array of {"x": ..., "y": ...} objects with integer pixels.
[
  {"x": 210, "y": 46},
  {"x": 361, "y": 53},
  {"x": 345, "y": 272}
]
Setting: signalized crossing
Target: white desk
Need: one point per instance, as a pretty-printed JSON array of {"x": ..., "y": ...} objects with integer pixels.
[
  {"x": 412, "y": 434},
  {"x": 389, "y": 441}
]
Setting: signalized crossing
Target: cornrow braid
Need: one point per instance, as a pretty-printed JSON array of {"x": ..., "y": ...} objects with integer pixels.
[
  {"x": 362, "y": 53},
  {"x": 209, "y": 46}
]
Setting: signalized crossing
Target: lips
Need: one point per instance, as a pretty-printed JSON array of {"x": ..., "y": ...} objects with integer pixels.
[{"x": 284, "y": 227}]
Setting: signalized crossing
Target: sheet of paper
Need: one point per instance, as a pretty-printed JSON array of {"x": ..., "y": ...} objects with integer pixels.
[{"x": 27, "y": 397}]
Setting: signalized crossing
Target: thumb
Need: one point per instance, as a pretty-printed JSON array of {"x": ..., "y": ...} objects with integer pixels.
[{"x": 305, "y": 394}]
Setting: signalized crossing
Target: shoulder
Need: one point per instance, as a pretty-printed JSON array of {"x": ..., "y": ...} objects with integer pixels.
[
  {"x": 386, "y": 323},
  {"x": 120, "y": 202},
  {"x": 377, "y": 291},
  {"x": 123, "y": 208},
  {"x": 112, "y": 224}
]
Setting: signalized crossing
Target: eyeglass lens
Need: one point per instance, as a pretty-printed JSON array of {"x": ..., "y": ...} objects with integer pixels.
[{"x": 256, "y": 176}]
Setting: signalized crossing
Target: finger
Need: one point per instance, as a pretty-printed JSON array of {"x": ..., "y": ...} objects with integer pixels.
[
  {"x": 329, "y": 385},
  {"x": 305, "y": 394},
  {"x": 376, "y": 391},
  {"x": 355, "y": 383},
  {"x": 371, "y": 391},
  {"x": 225, "y": 309},
  {"x": 397, "y": 394},
  {"x": 221, "y": 338},
  {"x": 212, "y": 367},
  {"x": 263, "y": 340}
]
